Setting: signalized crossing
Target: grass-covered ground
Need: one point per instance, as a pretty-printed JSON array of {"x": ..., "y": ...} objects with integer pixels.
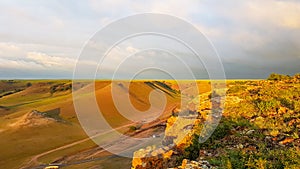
[
  {"x": 260, "y": 130},
  {"x": 21, "y": 141}
]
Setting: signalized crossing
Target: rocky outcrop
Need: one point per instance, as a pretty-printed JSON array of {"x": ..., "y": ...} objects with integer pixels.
[
  {"x": 180, "y": 128},
  {"x": 187, "y": 164},
  {"x": 178, "y": 134},
  {"x": 153, "y": 157}
]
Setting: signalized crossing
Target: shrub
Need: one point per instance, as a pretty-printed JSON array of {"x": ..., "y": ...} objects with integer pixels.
[
  {"x": 264, "y": 106},
  {"x": 28, "y": 84},
  {"x": 132, "y": 128},
  {"x": 297, "y": 76},
  {"x": 192, "y": 151},
  {"x": 277, "y": 77},
  {"x": 287, "y": 103},
  {"x": 236, "y": 89}
]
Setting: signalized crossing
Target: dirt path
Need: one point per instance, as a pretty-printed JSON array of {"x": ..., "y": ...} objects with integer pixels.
[
  {"x": 92, "y": 157},
  {"x": 34, "y": 159}
]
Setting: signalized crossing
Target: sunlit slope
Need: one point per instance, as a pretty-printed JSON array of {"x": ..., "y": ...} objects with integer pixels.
[
  {"x": 136, "y": 93},
  {"x": 29, "y": 96},
  {"x": 24, "y": 135},
  {"x": 21, "y": 140}
]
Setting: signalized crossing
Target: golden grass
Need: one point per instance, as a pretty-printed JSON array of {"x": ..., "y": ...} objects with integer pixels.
[{"x": 19, "y": 145}]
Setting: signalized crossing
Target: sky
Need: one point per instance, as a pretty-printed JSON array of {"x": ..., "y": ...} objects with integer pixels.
[{"x": 43, "y": 39}]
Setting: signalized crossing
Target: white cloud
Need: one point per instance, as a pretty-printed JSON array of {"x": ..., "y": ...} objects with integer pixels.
[
  {"x": 53, "y": 33},
  {"x": 121, "y": 8},
  {"x": 29, "y": 56},
  {"x": 278, "y": 13},
  {"x": 9, "y": 50},
  {"x": 8, "y": 47},
  {"x": 131, "y": 49},
  {"x": 38, "y": 61},
  {"x": 51, "y": 61},
  {"x": 176, "y": 8},
  {"x": 21, "y": 65}
]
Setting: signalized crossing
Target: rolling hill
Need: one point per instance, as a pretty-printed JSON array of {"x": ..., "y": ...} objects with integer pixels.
[{"x": 29, "y": 126}]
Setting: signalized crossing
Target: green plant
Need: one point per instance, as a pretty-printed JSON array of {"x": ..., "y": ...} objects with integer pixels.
[
  {"x": 28, "y": 84},
  {"x": 264, "y": 106},
  {"x": 287, "y": 103},
  {"x": 132, "y": 128},
  {"x": 278, "y": 77},
  {"x": 192, "y": 151},
  {"x": 236, "y": 89}
]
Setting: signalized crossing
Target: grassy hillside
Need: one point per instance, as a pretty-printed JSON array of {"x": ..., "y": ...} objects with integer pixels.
[
  {"x": 21, "y": 138},
  {"x": 25, "y": 135},
  {"x": 260, "y": 127}
]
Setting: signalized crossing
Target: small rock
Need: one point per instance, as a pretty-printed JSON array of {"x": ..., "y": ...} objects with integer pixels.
[
  {"x": 166, "y": 148},
  {"x": 268, "y": 138},
  {"x": 280, "y": 138},
  {"x": 154, "y": 153},
  {"x": 240, "y": 146},
  {"x": 286, "y": 141},
  {"x": 160, "y": 151},
  {"x": 250, "y": 132},
  {"x": 204, "y": 167}
]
